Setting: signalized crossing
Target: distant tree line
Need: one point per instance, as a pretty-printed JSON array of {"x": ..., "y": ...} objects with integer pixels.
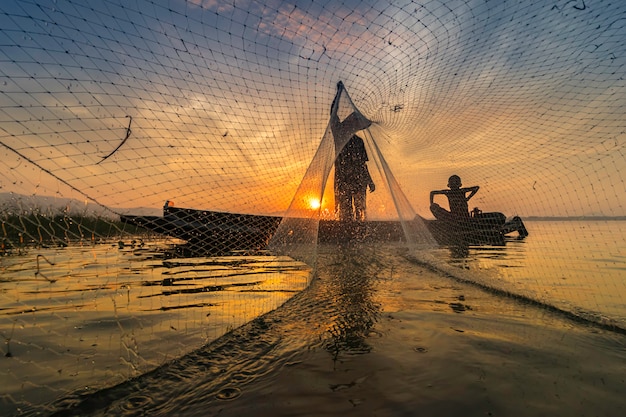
[{"x": 60, "y": 229}]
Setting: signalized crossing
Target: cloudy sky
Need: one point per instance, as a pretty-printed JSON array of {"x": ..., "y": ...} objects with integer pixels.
[{"x": 230, "y": 100}]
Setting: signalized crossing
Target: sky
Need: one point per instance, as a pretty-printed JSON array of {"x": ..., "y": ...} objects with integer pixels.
[{"x": 228, "y": 101}]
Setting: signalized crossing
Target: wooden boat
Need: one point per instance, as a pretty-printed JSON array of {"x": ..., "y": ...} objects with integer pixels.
[
  {"x": 479, "y": 228},
  {"x": 213, "y": 232}
]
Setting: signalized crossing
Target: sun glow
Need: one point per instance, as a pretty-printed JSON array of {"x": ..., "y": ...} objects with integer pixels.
[{"x": 314, "y": 203}]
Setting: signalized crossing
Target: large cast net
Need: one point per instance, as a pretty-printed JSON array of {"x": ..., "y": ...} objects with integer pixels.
[{"x": 168, "y": 167}]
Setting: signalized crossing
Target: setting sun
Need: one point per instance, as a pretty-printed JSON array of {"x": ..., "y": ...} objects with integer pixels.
[{"x": 314, "y": 203}]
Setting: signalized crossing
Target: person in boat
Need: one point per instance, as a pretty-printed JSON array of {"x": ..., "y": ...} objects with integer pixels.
[
  {"x": 457, "y": 200},
  {"x": 352, "y": 179}
]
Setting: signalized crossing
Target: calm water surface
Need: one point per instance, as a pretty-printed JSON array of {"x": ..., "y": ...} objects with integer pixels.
[
  {"x": 87, "y": 317},
  {"x": 577, "y": 266}
]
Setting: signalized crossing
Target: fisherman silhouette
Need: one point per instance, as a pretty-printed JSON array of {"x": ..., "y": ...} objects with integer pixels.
[
  {"x": 352, "y": 178},
  {"x": 457, "y": 200}
]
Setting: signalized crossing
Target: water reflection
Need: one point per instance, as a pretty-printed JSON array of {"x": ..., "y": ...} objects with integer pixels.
[
  {"x": 350, "y": 280},
  {"x": 95, "y": 315},
  {"x": 459, "y": 251},
  {"x": 582, "y": 277}
]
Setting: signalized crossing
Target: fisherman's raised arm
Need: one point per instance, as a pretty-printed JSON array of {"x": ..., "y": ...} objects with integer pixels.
[
  {"x": 473, "y": 190},
  {"x": 435, "y": 192}
]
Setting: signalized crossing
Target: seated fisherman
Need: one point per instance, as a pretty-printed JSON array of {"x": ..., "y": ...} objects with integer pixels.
[{"x": 457, "y": 200}]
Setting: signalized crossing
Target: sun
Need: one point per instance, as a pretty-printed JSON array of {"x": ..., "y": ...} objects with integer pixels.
[{"x": 314, "y": 203}]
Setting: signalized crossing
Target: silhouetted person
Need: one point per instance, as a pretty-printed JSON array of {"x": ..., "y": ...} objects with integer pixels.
[
  {"x": 352, "y": 178},
  {"x": 457, "y": 200}
]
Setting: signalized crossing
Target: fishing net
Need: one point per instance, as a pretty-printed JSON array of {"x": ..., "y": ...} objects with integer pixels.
[{"x": 169, "y": 168}]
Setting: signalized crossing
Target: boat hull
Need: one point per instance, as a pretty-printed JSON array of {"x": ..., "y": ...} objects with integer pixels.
[
  {"x": 211, "y": 231},
  {"x": 217, "y": 233},
  {"x": 485, "y": 228}
]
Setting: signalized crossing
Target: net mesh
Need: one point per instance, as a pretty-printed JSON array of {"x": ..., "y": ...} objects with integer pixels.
[{"x": 223, "y": 111}]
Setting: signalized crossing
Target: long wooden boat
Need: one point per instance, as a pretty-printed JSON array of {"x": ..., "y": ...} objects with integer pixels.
[
  {"x": 212, "y": 231},
  {"x": 478, "y": 229},
  {"x": 216, "y": 232}
]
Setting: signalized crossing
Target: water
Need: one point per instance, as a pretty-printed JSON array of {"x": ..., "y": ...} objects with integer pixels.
[
  {"x": 86, "y": 317},
  {"x": 83, "y": 318},
  {"x": 576, "y": 266}
]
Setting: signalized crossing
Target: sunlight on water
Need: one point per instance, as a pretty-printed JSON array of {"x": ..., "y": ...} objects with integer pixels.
[
  {"x": 81, "y": 318},
  {"x": 578, "y": 266},
  {"x": 377, "y": 334},
  {"x": 92, "y": 316}
]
